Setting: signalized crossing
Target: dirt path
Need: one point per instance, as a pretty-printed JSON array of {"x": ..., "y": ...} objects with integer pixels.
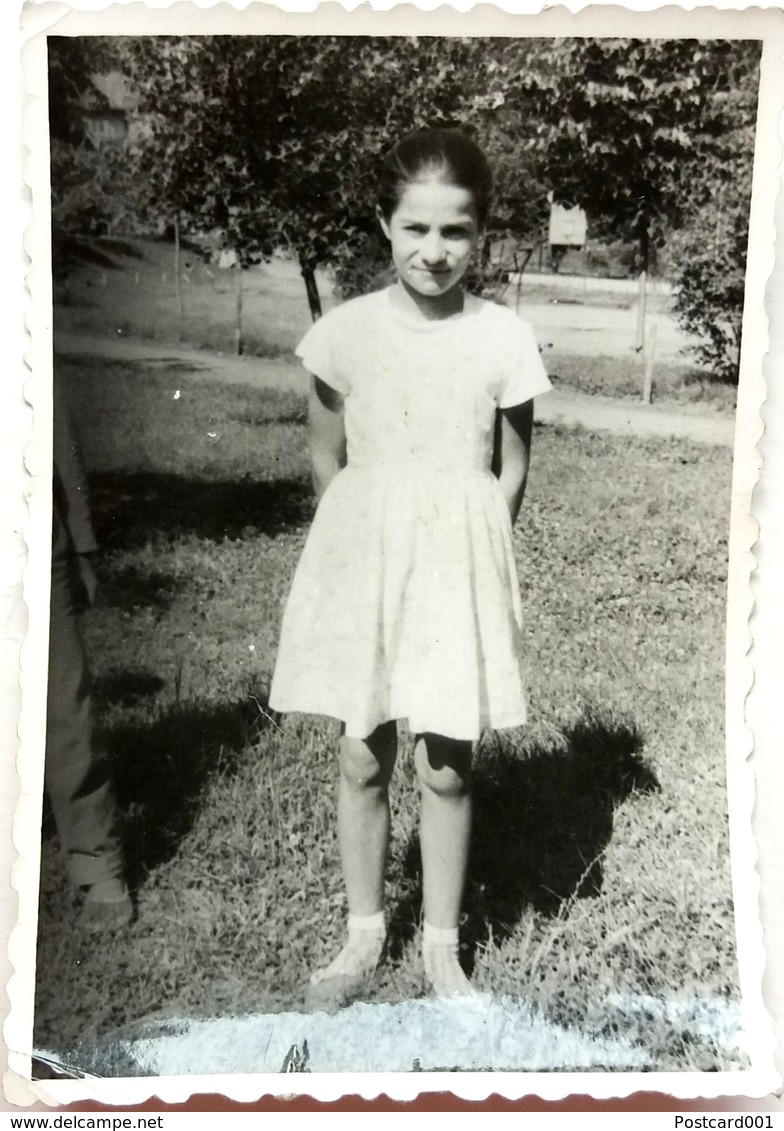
[{"x": 560, "y": 406}]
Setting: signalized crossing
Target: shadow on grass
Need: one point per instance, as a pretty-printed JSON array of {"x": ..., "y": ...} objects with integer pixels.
[
  {"x": 298, "y": 414},
  {"x": 130, "y": 588},
  {"x": 161, "y": 768},
  {"x": 698, "y": 376},
  {"x": 125, "y": 688},
  {"x": 131, "y": 507},
  {"x": 543, "y": 818},
  {"x": 70, "y": 252}
]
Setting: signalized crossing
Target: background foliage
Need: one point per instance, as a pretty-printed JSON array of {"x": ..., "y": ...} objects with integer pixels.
[{"x": 272, "y": 143}]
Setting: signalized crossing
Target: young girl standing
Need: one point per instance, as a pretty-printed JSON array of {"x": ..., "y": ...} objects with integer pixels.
[{"x": 405, "y": 603}]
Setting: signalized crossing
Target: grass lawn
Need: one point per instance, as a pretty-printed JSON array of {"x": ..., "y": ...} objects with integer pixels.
[
  {"x": 127, "y": 288},
  {"x": 599, "y": 884},
  {"x": 676, "y": 383}
]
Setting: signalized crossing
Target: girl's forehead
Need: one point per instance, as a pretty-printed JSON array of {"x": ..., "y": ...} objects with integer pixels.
[{"x": 432, "y": 194}]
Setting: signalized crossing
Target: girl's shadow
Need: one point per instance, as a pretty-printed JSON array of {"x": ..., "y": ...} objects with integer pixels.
[{"x": 543, "y": 817}]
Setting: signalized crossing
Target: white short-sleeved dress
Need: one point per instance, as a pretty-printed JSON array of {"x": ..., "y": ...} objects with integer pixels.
[{"x": 405, "y": 602}]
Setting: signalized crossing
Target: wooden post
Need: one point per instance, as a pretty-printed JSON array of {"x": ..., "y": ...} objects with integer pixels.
[
  {"x": 239, "y": 343},
  {"x": 177, "y": 279},
  {"x": 650, "y": 358},
  {"x": 639, "y": 340}
]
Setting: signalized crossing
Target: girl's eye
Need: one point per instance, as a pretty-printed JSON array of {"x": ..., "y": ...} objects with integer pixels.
[{"x": 456, "y": 233}]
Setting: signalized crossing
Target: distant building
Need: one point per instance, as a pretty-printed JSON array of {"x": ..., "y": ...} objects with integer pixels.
[
  {"x": 105, "y": 126},
  {"x": 109, "y": 111}
]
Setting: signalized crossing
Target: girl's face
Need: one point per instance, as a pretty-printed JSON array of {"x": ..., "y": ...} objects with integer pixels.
[{"x": 433, "y": 233}]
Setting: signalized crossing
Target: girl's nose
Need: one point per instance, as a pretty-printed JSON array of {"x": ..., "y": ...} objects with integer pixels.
[{"x": 432, "y": 249}]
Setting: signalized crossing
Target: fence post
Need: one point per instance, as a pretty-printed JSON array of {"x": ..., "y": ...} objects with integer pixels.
[
  {"x": 177, "y": 279},
  {"x": 639, "y": 341},
  {"x": 240, "y": 344},
  {"x": 650, "y": 358}
]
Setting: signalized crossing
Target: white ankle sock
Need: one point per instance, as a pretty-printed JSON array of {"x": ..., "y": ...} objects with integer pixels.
[
  {"x": 439, "y": 936},
  {"x": 442, "y": 966},
  {"x": 358, "y": 923}
]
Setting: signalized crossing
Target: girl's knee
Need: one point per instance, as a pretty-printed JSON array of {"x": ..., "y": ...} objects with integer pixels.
[
  {"x": 443, "y": 765},
  {"x": 367, "y": 763}
]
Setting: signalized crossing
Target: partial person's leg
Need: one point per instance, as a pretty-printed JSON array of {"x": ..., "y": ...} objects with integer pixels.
[
  {"x": 76, "y": 778},
  {"x": 363, "y": 832},
  {"x": 444, "y": 770}
]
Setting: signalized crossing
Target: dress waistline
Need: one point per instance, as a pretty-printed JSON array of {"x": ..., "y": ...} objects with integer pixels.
[{"x": 420, "y": 467}]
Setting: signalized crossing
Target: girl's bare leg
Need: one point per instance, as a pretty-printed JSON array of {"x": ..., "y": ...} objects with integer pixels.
[
  {"x": 366, "y": 766},
  {"x": 444, "y": 770},
  {"x": 363, "y": 832}
]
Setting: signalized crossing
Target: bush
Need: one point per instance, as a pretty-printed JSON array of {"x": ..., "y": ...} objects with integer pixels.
[{"x": 708, "y": 266}]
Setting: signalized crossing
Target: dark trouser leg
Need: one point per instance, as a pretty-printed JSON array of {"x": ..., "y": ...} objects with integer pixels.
[{"x": 76, "y": 778}]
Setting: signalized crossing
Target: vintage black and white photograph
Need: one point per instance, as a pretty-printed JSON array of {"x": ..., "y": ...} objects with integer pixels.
[{"x": 394, "y": 404}]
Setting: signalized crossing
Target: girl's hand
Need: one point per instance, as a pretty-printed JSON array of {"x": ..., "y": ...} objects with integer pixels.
[
  {"x": 512, "y": 452},
  {"x": 326, "y": 433}
]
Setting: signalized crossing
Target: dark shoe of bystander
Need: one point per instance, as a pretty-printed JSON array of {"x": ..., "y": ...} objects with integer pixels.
[{"x": 106, "y": 906}]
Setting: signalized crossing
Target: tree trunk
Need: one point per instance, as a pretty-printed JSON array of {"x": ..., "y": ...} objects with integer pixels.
[
  {"x": 520, "y": 273},
  {"x": 484, "y": 259},
  {"x": 240, "y": 344},
  {"x": 177, "y": 279},
  {"x": 645, "y": 246},
  {"x": 311, "y": 287}
]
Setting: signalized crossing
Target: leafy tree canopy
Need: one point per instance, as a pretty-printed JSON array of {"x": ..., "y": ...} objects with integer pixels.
[
  {"x": 628, "y": 128},
  {"x": 274, "y": 141}
]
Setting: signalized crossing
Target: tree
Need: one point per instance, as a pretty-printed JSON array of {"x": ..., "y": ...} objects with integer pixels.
[
  {"x": 623, "y": 126},
  {"x": 645, "y": 135},
  {"x": 275, "y": 141}
]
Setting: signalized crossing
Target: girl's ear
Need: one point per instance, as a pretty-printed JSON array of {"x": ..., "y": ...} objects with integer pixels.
[{"x": 383, "y": 222}]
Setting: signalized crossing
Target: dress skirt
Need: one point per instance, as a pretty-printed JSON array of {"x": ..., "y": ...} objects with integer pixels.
[{"x": 405, "y": 605}]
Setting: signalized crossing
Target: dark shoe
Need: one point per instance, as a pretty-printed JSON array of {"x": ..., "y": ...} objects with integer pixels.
[{"x": 106, "y": 906}]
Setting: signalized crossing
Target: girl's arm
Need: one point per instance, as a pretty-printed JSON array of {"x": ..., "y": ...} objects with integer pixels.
[
  {"x": 326, "y": 434},
  {"x": 512, "y": 452}
]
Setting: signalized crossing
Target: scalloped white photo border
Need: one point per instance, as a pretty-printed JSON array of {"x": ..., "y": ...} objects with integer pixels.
[{"x": 751, "y": 752}]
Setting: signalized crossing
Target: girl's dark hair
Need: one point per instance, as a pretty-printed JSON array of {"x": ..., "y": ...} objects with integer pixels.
[{"x": 448, "y": 153}]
